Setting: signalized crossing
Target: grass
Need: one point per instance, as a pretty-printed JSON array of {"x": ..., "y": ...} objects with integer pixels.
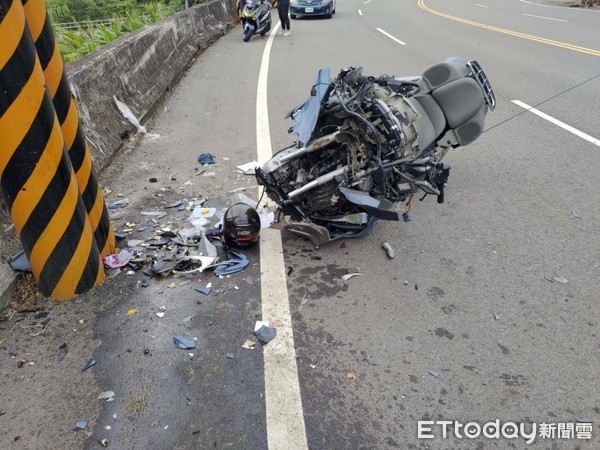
[{"x": 74, "y": 43}]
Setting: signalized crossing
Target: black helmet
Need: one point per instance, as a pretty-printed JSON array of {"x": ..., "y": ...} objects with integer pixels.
[{"x": 241, "y": 226}]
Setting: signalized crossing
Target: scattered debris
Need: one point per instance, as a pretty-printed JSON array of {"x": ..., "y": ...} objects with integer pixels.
[
  {"x": 236, "y": 263},
  {"x": 131, "y": 312},
  {"x": 20, "y": 262},
  {"x": 264, "y": 333},
  {"x": 163, "y": 267},
  {"x": 62, "y": 352},
  {"x": 90, "y": 363},
  {"x": 312, "y": 366},
  {"x": 248, "y": 168},
  {"x": 174, "y": 205},
  {"x": 433, "y": 373},
  {"x": 156, "y": 214},
  {"x": 183, "y": 342},
  {"x": 206, "y": 158},
  {"x": 80, "y": 425},
  {"x": 103, "y": 442},
  {"x": 267, "y": 217},
  {"x": 406, "y": 216},
  {"x": 160, "y": 314},
  {"x": 117, "y": 260},
  {"x": 249, "y": 344},
  {"x": 353, "y": 272},
  {"x": 556, "y": 279},
  {"x": 351, "y": 376},
  {"x": 119, "y": 204},
  {"x": 153, "y": 180},
  {"x": 120, "y": 234},
  {"x": 230, "y": 355},
  {"x": 106, "y": 395},
  {"x": 302, "y": 303},
  {"x": 585, "y": 420},
  {"x": 200, "y": 212},
  {"x": 205, "y": 290},
  {"x": 129, "y": 115},
  {"x": 389, "y": 250},
  {"x": 576, "y": 215}
]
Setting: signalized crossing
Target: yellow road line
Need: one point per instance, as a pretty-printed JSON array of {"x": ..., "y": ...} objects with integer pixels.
[{"x": 529, "y": 37}]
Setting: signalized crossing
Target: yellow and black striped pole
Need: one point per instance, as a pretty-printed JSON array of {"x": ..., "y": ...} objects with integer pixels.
[
  {"x": 36, "y": 176},
  {"x": 68, "y": 117}
]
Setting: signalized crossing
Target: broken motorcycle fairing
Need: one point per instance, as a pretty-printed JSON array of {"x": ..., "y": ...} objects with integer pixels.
[{"x": 365, "y": 143}]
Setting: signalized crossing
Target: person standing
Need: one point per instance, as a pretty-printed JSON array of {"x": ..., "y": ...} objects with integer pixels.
[{"x": 283, "y": 8}]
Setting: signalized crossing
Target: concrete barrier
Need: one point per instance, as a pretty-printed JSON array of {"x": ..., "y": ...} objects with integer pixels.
[{"x": 138, "y": 70}]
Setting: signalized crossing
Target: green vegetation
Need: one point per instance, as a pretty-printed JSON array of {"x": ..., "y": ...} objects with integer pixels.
[{"x": 82, "y": 26}]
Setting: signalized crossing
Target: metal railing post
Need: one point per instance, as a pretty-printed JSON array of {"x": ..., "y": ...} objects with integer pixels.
[
  {"x": 36, "y": 175},
  {"x": 68, "y": 117}
]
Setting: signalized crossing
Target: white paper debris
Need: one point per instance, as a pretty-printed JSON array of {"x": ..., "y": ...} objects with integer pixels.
[
  {"x": 350, "y": 275},
  {"x": 248, "y": 168},
  {"x": 129, "y": 115},
  {"x": 260, "y": 323},
  {"x": 106, "y": 395}
]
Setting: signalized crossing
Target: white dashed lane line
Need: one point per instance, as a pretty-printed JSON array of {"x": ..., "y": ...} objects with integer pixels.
[
  {"x": 547, "y": 18},
  {"x": 391, "y": 37},
  {"x": 558, "y": 123}
]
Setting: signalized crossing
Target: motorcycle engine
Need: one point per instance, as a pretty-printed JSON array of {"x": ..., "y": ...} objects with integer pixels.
[{"x": 362, "y": 128}]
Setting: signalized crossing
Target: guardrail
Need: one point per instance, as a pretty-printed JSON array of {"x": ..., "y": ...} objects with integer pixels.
[{"x": 89, "y": 23}]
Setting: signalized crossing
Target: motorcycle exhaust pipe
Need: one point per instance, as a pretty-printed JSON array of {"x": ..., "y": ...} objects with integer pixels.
[
  {"x": 318, "y": 182},
  {"x": 313, "y": 146}
]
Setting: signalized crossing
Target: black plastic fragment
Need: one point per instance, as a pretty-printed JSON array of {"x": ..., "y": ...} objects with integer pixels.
[{"x": 265, "y": 334}]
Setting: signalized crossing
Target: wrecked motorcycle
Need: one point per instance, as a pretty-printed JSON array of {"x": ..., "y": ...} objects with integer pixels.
[{"x": 365, "y": 143}]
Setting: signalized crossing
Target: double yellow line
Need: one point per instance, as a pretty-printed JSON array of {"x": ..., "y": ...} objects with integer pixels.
[{"x": 529, "y": 37}]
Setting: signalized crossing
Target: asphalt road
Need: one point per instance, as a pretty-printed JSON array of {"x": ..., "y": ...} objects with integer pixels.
[{"x": 466, "y": 297}]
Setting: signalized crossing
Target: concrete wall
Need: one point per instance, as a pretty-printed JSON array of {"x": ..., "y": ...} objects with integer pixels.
[{"x": 139, "y": 70}]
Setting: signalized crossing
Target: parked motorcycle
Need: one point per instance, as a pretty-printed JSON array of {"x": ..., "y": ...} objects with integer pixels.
[
  {"x": 365, "y": 143},
  {"x": 256, "y": 18}
]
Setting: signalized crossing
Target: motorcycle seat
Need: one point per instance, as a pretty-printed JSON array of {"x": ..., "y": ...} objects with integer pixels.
[{"x": 451, "y": 103}]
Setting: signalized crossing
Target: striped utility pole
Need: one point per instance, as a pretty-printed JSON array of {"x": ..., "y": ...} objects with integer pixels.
[
  {"x": 68, "y": 117},
  {"x": 36, "y": 175}
]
